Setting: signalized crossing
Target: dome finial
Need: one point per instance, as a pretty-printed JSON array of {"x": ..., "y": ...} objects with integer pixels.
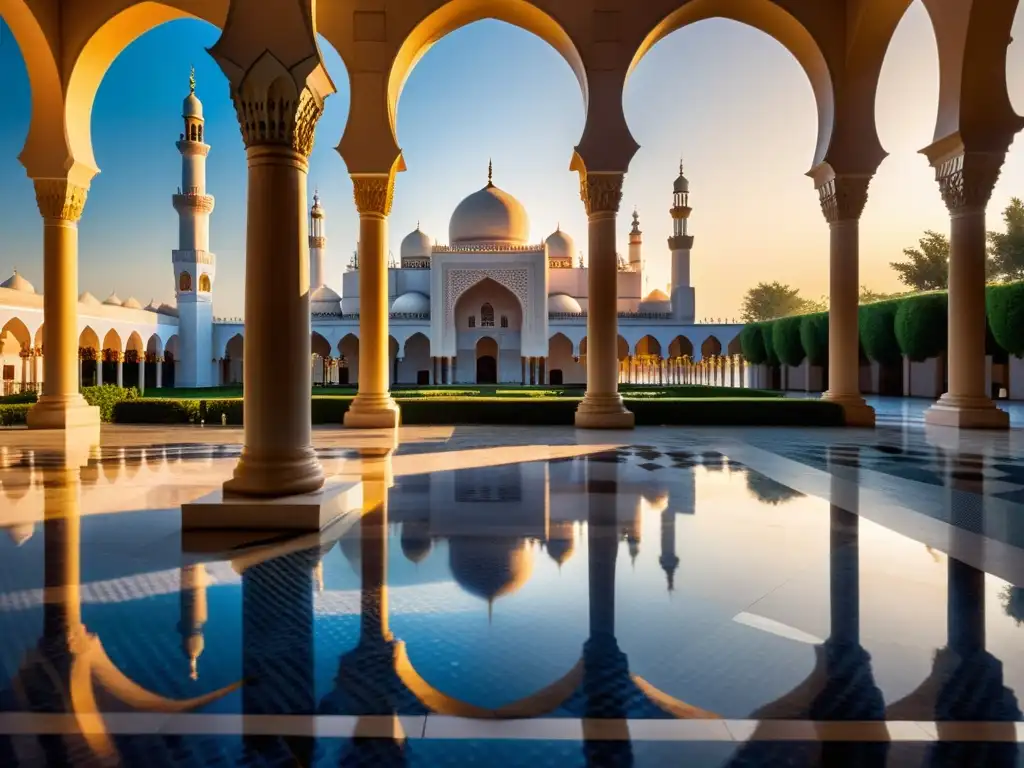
[
  {"x": 191, "y": 79},
  {"x": 680, "y": 166},
  {"x": 490, "y": 173}
]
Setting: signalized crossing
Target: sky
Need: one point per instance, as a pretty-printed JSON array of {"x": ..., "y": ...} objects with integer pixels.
[{"x": 726, "y": 98}]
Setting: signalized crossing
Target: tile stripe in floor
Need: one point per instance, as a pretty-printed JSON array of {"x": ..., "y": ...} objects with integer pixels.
[{"x": 541, "y": 729}]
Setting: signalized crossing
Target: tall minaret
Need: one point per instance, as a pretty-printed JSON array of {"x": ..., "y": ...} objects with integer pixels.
[
  {"x": 194, "y": 266},
  {"x": 683, "y": 299},
  {"x": 317, "y": 244},
  {"x": 636, "y": 245}
]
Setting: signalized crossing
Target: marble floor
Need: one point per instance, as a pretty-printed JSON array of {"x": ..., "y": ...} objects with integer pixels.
[{"x": 523, "y": 596}]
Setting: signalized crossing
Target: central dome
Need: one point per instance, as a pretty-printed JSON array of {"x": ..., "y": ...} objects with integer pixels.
[{"x": 489, "y": 216}]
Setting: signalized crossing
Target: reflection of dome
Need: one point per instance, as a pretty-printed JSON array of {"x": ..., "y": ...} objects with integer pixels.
[
  {"x": 416, "y": 245},
  {"x": 490, "y": 567},
  {"x": 411, "y": 303},
  {"x": 88, "y": 299},
  {"x": 18, "y": 283},
  {"x": 560, "y": 543},
  {"x": 324, "y": 301},
  {"x": 21, "y": 533},
  {"x": 560, "y": 245},
  {"x": 490, "y": 215},
  {"x": 563, "y": 302},
  {"x": 113, "y": 301},
  {"x": 416, "y": 543},
  {"x": 131, "y": 303}
]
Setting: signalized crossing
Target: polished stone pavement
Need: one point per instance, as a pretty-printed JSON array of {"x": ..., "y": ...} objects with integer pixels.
[{"x": 523, "y": 596}]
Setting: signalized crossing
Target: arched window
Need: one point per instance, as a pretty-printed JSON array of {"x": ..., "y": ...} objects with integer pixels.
[
  {"x": 185, "y": 282},
  {"x": 204, "y": 283},
  {"x": 192, "y": 132},
  {"x": 472, "y": 321},
  {"x": 504, "y": 321},
  {"x": 200, "y": 133},
  {"x": 486, "y": 316}
]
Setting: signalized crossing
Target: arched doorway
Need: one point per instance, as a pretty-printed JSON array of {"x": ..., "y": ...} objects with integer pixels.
[{"x": 487, "y": 361}]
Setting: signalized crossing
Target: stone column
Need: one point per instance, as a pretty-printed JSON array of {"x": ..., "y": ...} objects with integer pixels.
[
  {"x": 120, "y": 369},
  {"x": 142, "y": 372},
  {"x": 159, "y": 372},
  {"x": 61, "y": 405},
  {"x": 842, "y": 201},
  {"x": 277, "y": 109},
  {"x": 602, "y": 406},
  {"x": 373, "y": 406},
  {"x": 966, "y": 180}
]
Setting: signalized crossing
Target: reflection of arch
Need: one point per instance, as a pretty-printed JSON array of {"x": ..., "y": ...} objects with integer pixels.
[
  {"x": 777, "y": 23},
  {"x": 711, "y": 347},
  {"x": 680, "y": 346},
  {"x": 185, "y": 282},
  {"x": 486, "y": 360},
  {"x": 204, "y": 283},
  {"x": 458, "y": 13}
]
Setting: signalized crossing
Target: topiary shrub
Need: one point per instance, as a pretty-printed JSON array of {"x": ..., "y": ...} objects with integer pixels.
[
  {"x": 768, "y": 334},
  {"x": 19, "y": 398},
  {"x": 814, "y": 337},
  {"x": 154, "y": 411},
  {"x": 107, "y": 396},
  {"x": 12, "y": 415},
  {"x": 1004, "y": 305},
  {"x": 921, "y": 325},
  {"x": 752, "y": 344},
  {"x": 786, "y": 340},
  {"x": 877, "y": 326}
]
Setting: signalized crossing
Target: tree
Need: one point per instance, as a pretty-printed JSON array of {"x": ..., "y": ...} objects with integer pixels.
[
  {"x": 767, "y": 301},
  {"x": 927, "y": 266},
  {"x": 1006, "y": 249},
  {"x": 868, "y": 296}
]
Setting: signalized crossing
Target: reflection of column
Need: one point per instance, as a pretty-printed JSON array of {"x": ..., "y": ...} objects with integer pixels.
[
  {"x": 966, "y": 180},
  {"x": 60, "y": 405},
  {"x": 277, "y": 456},
  {"x": 602, "y": 405},
  {"x": 668, "y": 560},
  {"x": 373, "y": 406}
]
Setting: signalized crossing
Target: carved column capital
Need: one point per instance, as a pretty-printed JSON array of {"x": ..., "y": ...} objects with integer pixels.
[
  {"x": 843, "y": 198},
  {"x": 373, "y": 193},
  {"x": 59, "y": 199},
  {"x": 966, "y": 179},
  {"x": 601, "y": 192}
]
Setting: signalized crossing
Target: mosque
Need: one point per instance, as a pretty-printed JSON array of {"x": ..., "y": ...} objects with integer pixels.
[{"x": 488, "y": 307}]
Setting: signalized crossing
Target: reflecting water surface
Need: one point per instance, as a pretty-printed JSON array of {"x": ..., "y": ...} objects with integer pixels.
[{"x": 586, "y": 595}]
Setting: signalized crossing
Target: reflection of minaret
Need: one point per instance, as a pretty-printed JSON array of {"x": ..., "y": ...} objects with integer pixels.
[
  {"x": 669, "y": 561},
  {"x": 560, "y": 543},
  {"x": 193, "y": 614}
]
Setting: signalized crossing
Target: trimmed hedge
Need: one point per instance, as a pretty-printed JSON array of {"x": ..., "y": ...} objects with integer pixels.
[
  {"x": 786, "y": 340},
  {"x": 877, "y": 326},
  {"x": 13, "y": 414},
  {"x": 921, "y": 325},
  {"x": 1004, "y": 305},
  {"x": 19, "y": 398},
  {"x": 107, "y": 397},
  {"x": 756, "y": 411},
  {"x": 768, "y": 334},
  {"x": 752, "y": 344},
  {"x": 814, "y": 337}
]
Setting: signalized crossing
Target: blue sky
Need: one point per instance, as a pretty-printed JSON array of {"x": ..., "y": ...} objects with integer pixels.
[{"x": 726, "y": 97}]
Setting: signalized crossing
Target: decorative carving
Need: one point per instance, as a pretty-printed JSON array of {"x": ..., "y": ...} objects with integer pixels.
[
  {"x": 415, "y": 263},
  {"x": 317, "y": 242},
  {"x": 966, "y": 180},
  {"x": 60, "y": 199},
  {"x": 193, "y": 201},
  {"x": 458, "y": 281},
  {"x": 373, "y": 193},
  {"x": 601, "y": 192},
  {"x": 264, "y": 119},
  {"x": 843, "y": 198},
  {"x": 560, "y": 263}
]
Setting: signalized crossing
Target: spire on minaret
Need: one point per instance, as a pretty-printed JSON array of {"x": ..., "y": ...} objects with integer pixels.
[
  {"x": 490, "y": 173},
  {"x": 192, "y": 79},
  {"x": 636, "y": 223},
  {"x": 636, "y": 244}
]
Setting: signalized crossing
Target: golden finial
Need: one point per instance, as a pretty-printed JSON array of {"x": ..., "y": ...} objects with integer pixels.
[
  {"x": 192, "y": 79},
  {"x": 490, "y": 173},
  {"x": 680, "y": 166}
]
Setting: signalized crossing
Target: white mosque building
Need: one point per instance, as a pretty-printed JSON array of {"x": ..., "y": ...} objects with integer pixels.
[{"x": 488, "y": 307}]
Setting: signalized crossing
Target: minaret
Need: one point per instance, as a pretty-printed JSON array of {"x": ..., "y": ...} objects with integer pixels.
[
  {"x": 317, "y": 244},
  {"x": 683, "y": 299},
  {"x": 635, "y": 245},
  {"x": 194, "y": 266}
]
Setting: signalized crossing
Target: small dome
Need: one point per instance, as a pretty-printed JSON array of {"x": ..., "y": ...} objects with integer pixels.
[
  {"x": 317, "y": 211},
  {"x": 416, "y": 542},
  {"x": 656, "y": 301},
  {"x": 21, "y": 533},
  {"x": 411, "y": 303},
  {"x": 657, "y": 295},
  {"x": 113, "y": 301},
  {"x": 416, "y": 245},
  {"x": 563, "y": 303},
  {"x": 682, "y": 183},
  {"x": 490, "y": 567},
  {"x": 489, "y": 216},
  {"x": 88, "y": 299},
  {"x": 324, "y": 301},
  {"x": 192, "y": 106},
  {"x": 560, "y": 544},
  {"x": 131, "y": 303},
  {"x": 560, "y": 245},
  {"x": 18, "y": 283},
  {"x": 167, "y": 309}
]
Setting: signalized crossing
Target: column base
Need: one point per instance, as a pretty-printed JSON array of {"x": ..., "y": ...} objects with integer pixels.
[
  {"x": 307, "y": 512},
  {"x": 63, "y": 412},
  {"x": 856, "y": 412},
  {"x": 603, "y": 412},
  {"x": 966, "y": 413},
  {"x": 276, "y": 476},
  {"x": 373, "y": 412}
]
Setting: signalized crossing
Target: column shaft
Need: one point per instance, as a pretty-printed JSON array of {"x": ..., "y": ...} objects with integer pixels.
[{"x": 278, "y": 457}]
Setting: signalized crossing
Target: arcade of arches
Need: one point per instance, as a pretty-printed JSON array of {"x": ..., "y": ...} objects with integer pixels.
[{"x": 277, "y": 63}]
